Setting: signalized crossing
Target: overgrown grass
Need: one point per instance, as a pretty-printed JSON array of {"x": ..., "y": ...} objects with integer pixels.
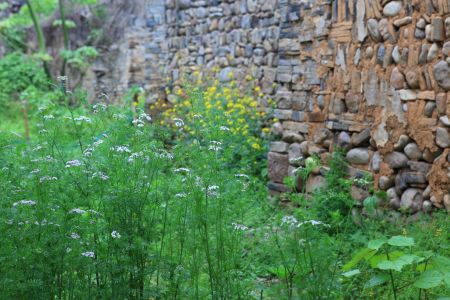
[{"x": 106, "y": 203}]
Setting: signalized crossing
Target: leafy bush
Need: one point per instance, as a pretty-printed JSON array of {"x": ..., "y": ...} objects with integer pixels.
[
  {"x": 19, "y": 73},
  {"x": 210, "y": 110},
  {"x": 106, "y": 202}
]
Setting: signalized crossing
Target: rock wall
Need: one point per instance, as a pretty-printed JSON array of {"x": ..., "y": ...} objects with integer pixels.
[{"x": 369, "y": 76}]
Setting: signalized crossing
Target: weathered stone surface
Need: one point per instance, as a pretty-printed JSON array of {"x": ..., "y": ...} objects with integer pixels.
[
  {"x": 292, "y": 137},
  {"x": 396, "y": 56},
  {"x": 429, "y": 108},
  {"x": 396, "y": 160},
  {"x": 447, "y": 27},
  {"x": 419, "y": 34},
  {"x": 385, "y": 31},
  {"x": 352, "y": 101},
  {"x": 423, "y": 56},
  {"x": 321, "y": 135},
  {"x": 446, "y": 49},
  {"x": 375, "y": 164},
  {"x": 373, "y": 29},
  {"x": 412, "y": 77},
  {"x": 411, "y": 200},
  {"x": 359, "y": 156},
  {"x": 438, "y": 34},
  {"x": 407, "y": 95},
  {"x": 446, "y": 202},
  {"x": 442, "y": 137},
  {"x": 445, "y": 120},
  {"x": 280, "y": 147},
  {"x": 413, "y": 151},
  {"x": 442, "y": 74},
  {"x": 403, "y": 21},
  {"x": 441, "y": 103},
  {"x": 397, "y": 79},
  {"x": 278, "y": 166},
  {"x": 427, "y": 206},
  {"x": 433, "y": 52},
  {"x": 360, "y": 138},
  {"x": 392, "y": 8},
  {"x": 421, "y": 23},
  {"x": 359, "y": 194},
  {"x": 343, "y": 140},
  {"x": 295, "y": 154},
  {"x": 315, "y": 183},
  {"x": 403, "y": 140},
  {"x": 419, "y": 166},
  {"x": 360, "y": 15},
  {"x": 385, "y": 182},
  {"x": 394, "y": 199},
  {"x": 226, "y": 74}
]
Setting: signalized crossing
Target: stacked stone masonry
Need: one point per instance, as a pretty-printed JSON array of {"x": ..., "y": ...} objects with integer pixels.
[{"x": 369, "y": 76}]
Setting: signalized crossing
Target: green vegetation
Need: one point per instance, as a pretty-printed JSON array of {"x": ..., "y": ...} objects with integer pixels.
[
  {"x": 105, "y": 202},
  {"x": 108, "y": 202}
]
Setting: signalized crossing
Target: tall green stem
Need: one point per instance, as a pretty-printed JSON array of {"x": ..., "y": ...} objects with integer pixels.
[
  {"x": 39, "y": 34},
  {"x": 65, "y": 33}
]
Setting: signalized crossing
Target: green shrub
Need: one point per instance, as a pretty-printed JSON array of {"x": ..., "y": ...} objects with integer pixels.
[{"x": 19, "y": 73}]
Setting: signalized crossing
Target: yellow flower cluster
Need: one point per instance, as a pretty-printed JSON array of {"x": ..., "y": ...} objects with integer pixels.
[{"x": 209, "y": 104}]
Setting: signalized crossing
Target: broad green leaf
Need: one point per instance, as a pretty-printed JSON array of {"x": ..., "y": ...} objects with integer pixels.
[
  {"x": 397, "y": 264},
  {"x": 429, "y": 279},
  {"x": 441, "y": 263},
  {"x": 401, "y": 241},
  {"x": 376, "y": 244},
  {"x": 447, "y": 278},
  {"x": 364, "y": 253},
  {"x": 424, "y": 266},
  {"x": 351, "y": 273},
  {"x": 381, "y": 257},
  {"x": 376, "y": 280}
]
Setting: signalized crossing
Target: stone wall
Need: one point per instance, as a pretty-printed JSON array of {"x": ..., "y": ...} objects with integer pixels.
[{"x": 369, "y": 76}]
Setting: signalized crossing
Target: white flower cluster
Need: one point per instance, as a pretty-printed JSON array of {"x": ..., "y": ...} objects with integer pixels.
[
  {"x": 73, "y": 163},
  {"x": 224, "y": 128},
  {"x": 289, "y": 221},
  {"x": 215, "y": 146},
  {"x": 313, "y": 222},
  {"x": 78, "y": 211},
  {"x": 178, "y": 122},
  {"x": 292, "y": 221},
  {"x": 115, "y": 234},
  {"x": 239, "y": 227},
  {"x": 181, "y": 195},
  {"x": 74, "y": 236},
  {"x": 88, "y": 151},
  {"x": 89, "y": 254},
  {"x": 121, "y": 149},
  {"x": 83, "y": 119},
  {"x": 182, "y": 170},
  {"x": 47, "y": 178},
  {"x": 25, "y": 203},
  {"x": 213, "y": 191},
  {"x": 99, "y": 107},
  {"x": 135, "y": 155},
  {"x": 119, "y": 116},
  {"x": 100, "y": 175},
  {"x": 165, "y": 155}
]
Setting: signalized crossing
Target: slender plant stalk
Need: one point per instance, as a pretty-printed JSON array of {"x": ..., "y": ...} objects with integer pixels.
[
  {"x": 39, "y": 35},
  {"x": 25, "y": 120},
  {"x": 65, "y": 31},
  {"x": 392, "y": 278}
]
